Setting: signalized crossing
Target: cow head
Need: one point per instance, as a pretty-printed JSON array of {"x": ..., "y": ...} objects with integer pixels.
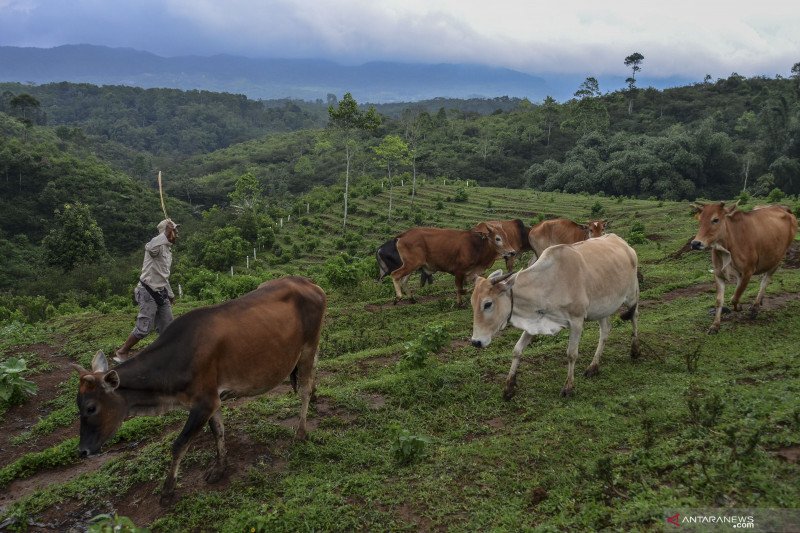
[
  {"x": 491, "y": 306},
  {"x": 496, "y": 235},
  {"x": 712, "y": 219},
  {"x": 101, "y": 409},
  {"x": 596, "y": 228}
]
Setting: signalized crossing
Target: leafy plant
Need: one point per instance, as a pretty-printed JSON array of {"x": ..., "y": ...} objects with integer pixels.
[
  {"x": 430, "y": 341},
  {"x": 106, "y": 523},
  {"x": 408, "y": 448},
  {"x": 636, "y": 234},
  {"x": 13, "y": 387},
  {"x": 597, "y": 209}
]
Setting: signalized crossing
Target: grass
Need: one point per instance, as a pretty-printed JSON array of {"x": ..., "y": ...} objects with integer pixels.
[{"x": 694, "y": 423}]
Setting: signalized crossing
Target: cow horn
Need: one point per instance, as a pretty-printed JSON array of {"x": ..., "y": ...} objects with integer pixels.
[
  {"x": 79, "y": 368},
  {"x": 498, "y": 279}
]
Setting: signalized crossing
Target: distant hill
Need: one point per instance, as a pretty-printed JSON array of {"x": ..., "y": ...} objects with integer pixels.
[{"x": 306, "y": 79}]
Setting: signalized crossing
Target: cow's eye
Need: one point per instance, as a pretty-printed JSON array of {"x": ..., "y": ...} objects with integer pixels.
[
  {"x": 715, "y": 221},
  {"x": 487, "y": 305},
  {"x": 92, "y": 409}
]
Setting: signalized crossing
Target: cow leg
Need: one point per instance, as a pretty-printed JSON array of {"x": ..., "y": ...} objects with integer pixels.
[
  {"x": 635, "y": 352},
  {"x": 575, "y": 331},
  {"x": 460, "y": 289},
  {"x": 760, "y": 296},
  {"x": 720, "y": 300},
  {"x": 740, "y": 287},
  {"x": 216, "y": 472},
  {"x": 510, "y": 262},
  {"x": 306, "y": 367},
  {"x": 398, "y": 290},
  {"x": 198, "y": 416},
  {"x": 511, "y": 380},
  {"x": 594, "y": 367}
]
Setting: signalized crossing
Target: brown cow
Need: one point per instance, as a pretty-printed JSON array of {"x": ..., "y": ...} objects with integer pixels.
[
  {"x": 463, "y": 253},
  {"x": 743, "y": 244},
  {"x": 242, "y": 347},
  {"x": 516, "y": 238},
  {"x": 563, "y": 231}
]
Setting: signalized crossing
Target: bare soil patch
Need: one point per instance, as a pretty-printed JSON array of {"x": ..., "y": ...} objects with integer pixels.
[
  {"x": 790, "y": 454},
  {"x": 373, "y": 308}
]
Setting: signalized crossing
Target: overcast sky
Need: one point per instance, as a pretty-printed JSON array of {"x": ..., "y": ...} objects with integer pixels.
[{"x": 592, "y": 37}]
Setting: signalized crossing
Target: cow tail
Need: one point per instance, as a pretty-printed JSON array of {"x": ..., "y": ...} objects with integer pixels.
[
  {"x": 293, "y": 379},
  {"x": 628, "y": 315}
]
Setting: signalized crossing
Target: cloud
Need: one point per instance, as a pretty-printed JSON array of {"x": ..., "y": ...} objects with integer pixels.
[{"x": 681, "y": 37}]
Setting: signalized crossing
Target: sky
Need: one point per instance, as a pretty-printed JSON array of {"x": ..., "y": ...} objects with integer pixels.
[{"x": 677, "y": 37}]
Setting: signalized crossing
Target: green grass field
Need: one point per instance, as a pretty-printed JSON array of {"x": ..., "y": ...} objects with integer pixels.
[{"x": 698, "y": 421}]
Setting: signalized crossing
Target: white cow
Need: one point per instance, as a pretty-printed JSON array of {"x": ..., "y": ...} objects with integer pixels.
[{"x": 570, "y": 283}]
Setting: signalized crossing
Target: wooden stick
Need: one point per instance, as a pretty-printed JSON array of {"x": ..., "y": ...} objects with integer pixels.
[{"x": 161, "y": 192}]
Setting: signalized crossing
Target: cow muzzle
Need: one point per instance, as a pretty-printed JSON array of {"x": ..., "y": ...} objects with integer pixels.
[
  {"x": 477, "y": 343},
  {"x": 698, "y": 245}
]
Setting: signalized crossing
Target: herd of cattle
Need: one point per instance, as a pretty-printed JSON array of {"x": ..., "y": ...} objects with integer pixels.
[{"x": 247, "y": 346}]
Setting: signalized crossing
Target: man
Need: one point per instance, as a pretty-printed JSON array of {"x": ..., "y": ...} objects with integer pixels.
[{"x": 153, "y": 292}]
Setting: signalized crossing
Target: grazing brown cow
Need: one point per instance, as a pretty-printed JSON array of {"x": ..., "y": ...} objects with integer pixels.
[
  {"x": 563, "y": 231},
  {"x": 516, "y": 238},
  {"x": 743, "y": 244},
  {"x": 463, "y": 253},
  {"x": 242, "y": 347}
]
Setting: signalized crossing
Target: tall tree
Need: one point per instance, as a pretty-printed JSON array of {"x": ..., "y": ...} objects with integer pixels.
[
  {"x": 633, "y": 61},
  {"x": 75, "y": 238},
  {"x": 796, "y": 72},
  {"x": 392, "y": 152},
  {"x": 550, "y": 110},
  {"x": 589, "y": 88},
  {"x": 347, "y": 120},
  {"x": 413, "y": 133},
  {"x": 25, "y": 103}
]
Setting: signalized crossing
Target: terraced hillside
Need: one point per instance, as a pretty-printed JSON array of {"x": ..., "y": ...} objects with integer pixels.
[{"x": 698, "y": 421}]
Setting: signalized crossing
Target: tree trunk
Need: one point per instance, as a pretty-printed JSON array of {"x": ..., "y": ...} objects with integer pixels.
[
  {"x": 389, "y": 169},
  {"x": 346, "y": 185},
  {"x": 414, "y": 182}
]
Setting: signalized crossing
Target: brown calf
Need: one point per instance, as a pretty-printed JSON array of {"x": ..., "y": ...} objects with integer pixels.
[
  {"x": 242, "y": 347},
  {"x": 743, "y": 244},
  {"x": 563, "y": 231},
  {"x": 516, "y": 238},
  {"x": 465, "y": 254}
]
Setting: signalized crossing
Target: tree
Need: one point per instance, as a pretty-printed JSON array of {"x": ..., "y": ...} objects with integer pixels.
[
  {"x": 796, "y": 72},
  {"x": 75, "y": 238},
  {"x": 348, "y": 121},
  {"x": 247, "y": 196},
  {"x": 391, "y": 152},
  {"x": 24, "y": 103},
  {"x": 589, "y": 88},
  {"x": 412, "y": 120},
  {"x": 550, "y": 110},
  {"x": 633, "y": 61}
]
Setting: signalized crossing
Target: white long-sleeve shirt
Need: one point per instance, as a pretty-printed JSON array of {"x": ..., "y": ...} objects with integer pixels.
[{"x": 157, "y": 262}]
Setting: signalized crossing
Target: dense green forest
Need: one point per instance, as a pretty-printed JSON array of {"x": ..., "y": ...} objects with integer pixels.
[{"x": 98, "y": 149}]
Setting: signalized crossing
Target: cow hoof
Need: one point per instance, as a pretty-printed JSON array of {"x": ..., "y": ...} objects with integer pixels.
[
  {"x": 214, "y": 474},
  {"x": 566, "y": 392},
  {"x": 509, "y": 393},
  {"x": 713, "y": 330},
  {"x": 301, "y": 435},
  {"x": 593, "y": 370},
  {"x": 635, "y": 352},
  {"x": 753, "y": 313},
  {"x": 395, "y": 301}
]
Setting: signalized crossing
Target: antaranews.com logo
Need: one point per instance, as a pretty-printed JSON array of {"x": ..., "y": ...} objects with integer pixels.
[{"x": 719, "y": 519}]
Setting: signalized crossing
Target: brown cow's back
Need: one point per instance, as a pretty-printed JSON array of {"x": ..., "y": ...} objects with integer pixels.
[
  {"x": 444, "y": 249},
  {"x": 280, "y": 318},
  {"x": 760, "y": 237},
  {"x": 551, "y": 232}
]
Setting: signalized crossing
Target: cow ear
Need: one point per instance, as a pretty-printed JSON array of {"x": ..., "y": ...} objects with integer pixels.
[
  {"x": 508, "y": 283},
  {"x": 111, "y": 381},
  {"x": 731, "y": 208},
  {"x": 78, "y": 368},
  {"x": 495, "y": 274},
  {"x": 99, "y": 362},
  {"x": 697, "y": 207},
  {"x": 482, "y": 229}
]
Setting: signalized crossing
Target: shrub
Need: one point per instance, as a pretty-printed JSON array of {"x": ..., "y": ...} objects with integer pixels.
[
  {"x": 13, "y": 387},
  {"x": 106, "y": 523},
  {"x": 461, "y": 195},
  {"x": 597, "y": 209},
  {"x": 343, "y": 271},
  {"x": 433, "y": 339},
  {"x": 636, "y": 234},
  {"x": 775, "y": 195},
  {"x": 408, "y": 448}
]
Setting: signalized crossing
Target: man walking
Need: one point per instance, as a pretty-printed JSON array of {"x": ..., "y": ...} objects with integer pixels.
[{"x": 153, "y": 292}]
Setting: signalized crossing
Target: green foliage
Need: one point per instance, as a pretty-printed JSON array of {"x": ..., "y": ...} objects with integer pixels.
[
  {"x": 636, "y": 234},
  {"x": 342, "y": 270},
  {"x": 597, "y": 210},
  {"x": 408, "y": 448},
  {"x": 775, "y": 195},
  {"x": 106, "y": 523},
  {"x": 222, "y": 249},
  {"x": 432, "y": 339},
  {"x": 13, "y": 387},
  {"x": 75, "y": 238}
]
